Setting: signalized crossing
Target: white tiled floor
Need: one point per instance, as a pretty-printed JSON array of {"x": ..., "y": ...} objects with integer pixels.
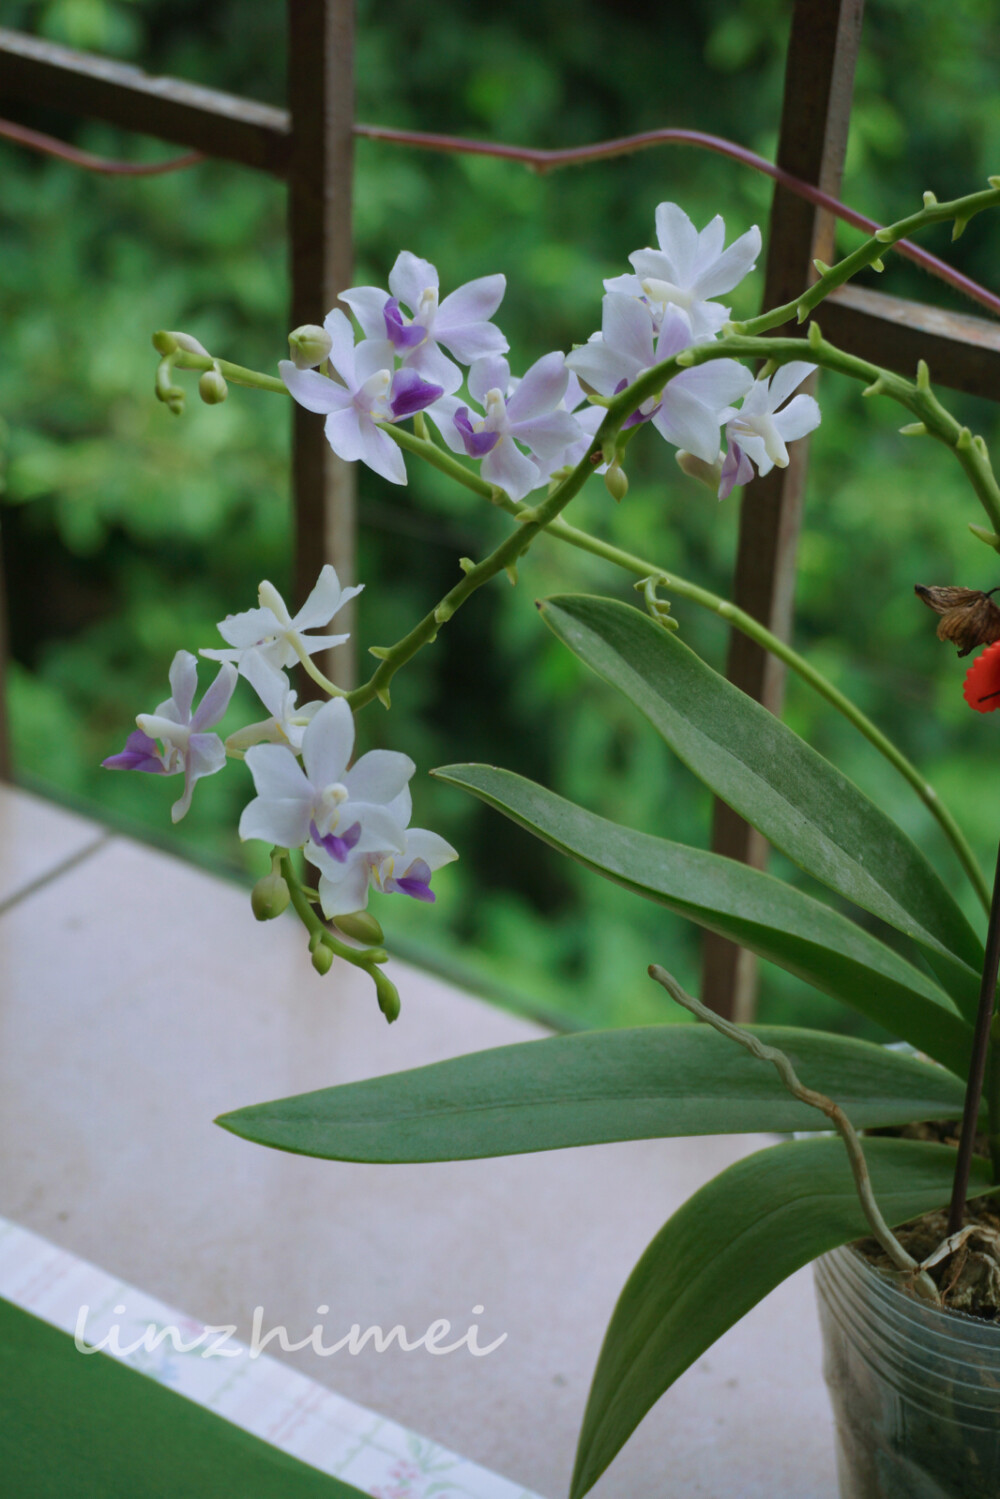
[{"x": 140, "y": 999}]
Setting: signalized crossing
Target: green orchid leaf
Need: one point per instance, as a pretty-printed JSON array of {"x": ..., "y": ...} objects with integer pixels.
[
  {"x": 797, "y": 799},
  {"x": 756, "y": 910},
  {"x": 725, "y": 1249},
  {"x": 597, "y": 1086}
]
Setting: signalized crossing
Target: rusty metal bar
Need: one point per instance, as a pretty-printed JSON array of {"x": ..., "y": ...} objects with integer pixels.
[
  {"x": 321, "y": 92},
  {"x": 223, "y": 125},
  {"x": 819, "y": 82},
  {"x": 962, "y": 351}
]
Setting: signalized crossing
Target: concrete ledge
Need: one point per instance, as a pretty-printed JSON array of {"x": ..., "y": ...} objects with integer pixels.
[{"x": 141, "y": 999}]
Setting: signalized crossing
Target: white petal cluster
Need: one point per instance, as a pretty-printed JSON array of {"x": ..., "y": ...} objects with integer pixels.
[
  {"x": 524, "y": 431},
  {"x": 399, "y": 367},
  {"x": 528, "y": 413},
  {"x": 689, "y": 270},
  {"x": 690, "y": 409},
  {"x": 352, "y": 819},
  {"x": 665, "y": 306},
  {"x": 266, "y": 640},
  {"x": 759, "y": 432}
]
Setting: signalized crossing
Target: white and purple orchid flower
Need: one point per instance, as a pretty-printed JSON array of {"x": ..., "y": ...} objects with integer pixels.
[
  {"x": 344, "y": 888},
  {"x": 460, "y": 323},
  {"x": 373, "y": 391},
  {"x": 691, "y": 408},
  {"x": 758, "y": 433},
  {"x": 689, "y": 269},
  {"x": 287, "y": 721},
  {"x": 320, "y": 802},
  {"x": 531, "y": 414},
  {"x": 264, "y": 640},
  {"x": 186, "y": 746},
  {"x": 588, "y": 418}
]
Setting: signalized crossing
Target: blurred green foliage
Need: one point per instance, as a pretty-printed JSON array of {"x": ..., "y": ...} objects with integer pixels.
[{"x": 129, "y": 533}]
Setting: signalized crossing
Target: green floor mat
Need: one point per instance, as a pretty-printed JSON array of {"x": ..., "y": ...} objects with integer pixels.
[{"x": 87, "y": 1427}]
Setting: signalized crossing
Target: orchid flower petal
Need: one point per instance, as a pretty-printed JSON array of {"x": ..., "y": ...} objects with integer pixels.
[
  {"x": 328, "y": 743},
  {"x": 541, "y": 389},
  {"x": 368, "y": 305},
  {"x": 380, "y": 453},
  {"x": 379, "y": 776},
  {"x": 410, "y": 277},
  {"x": 183, "y": 678},
  {"x": 786, "y": 379},
  {"x": 312, "y": 390},
  {"x": 508, "y": 468},
  {"x": 216, "y": 699}
]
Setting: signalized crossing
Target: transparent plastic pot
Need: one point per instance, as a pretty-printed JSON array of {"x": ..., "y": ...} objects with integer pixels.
[{"x": 915, "y": 1390}]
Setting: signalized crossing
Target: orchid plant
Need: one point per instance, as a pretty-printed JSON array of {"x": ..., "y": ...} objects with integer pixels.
[{"x": 666, "y": 357}]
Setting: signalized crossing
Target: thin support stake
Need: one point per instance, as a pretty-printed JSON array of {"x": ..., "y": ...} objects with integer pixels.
[{"x": 977, "y": 1067}]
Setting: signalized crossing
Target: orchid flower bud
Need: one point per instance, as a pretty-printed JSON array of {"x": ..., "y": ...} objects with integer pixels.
[
  {"x": 269, "y": 896},
  {"x": 322, "y": 958},
  {"x": 309, "y": 346},
  {"x": 363, "y": 927},
  {"x": 388, "y": 995},
  {"x": 212, "y": 387},
  {"x": 616, "y": 482},
  {"x": 188, "y": 343},
  {"x": 697, "y": 468}
]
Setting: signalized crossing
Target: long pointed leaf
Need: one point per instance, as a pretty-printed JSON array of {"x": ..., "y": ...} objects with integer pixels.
[
  {"x": 598, "y": 1086},
  {"x": 757, "y": 911},
  {"x": 725, "y": 1249},
  {"x": 797, "y": 799}
]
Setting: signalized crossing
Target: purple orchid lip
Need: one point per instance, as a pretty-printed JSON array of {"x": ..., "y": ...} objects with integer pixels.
[
  {"x": 140, "y": 753},
  {"x": 403, "y": 335},
  {"x": 638, "y": 417},
  {"x": 736, "y": 469},
  {"x": 411, "y": 394},
  {"x": 477, "y": 444},
  {"x": 415, "y": 882},
  {"x": 337, "y": 848}
]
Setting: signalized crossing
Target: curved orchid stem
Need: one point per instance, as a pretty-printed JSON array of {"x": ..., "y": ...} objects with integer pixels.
[
  {"x": 367, "y": 958},
  {"x": 903, "y": 1261}
]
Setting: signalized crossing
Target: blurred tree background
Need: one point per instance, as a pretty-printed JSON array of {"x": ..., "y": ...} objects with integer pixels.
[{"x": 128, "y": 533}]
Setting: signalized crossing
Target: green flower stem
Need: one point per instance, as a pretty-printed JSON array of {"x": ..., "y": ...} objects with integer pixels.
[
  {"x": 917, "y": 396},
  {"x": 903, "y": 1261},
  {"x": 960, "y": 210},
  {"x": 532, "y": 520},
  {"x": 438, "y": 458},
  {"x": 311, "y": 669},
  {"x": 620, "y": 408},
  {"x": 235, "y": 373},
  {"x": 642, "y": 568},
  {"x": 366, "y": 958}
]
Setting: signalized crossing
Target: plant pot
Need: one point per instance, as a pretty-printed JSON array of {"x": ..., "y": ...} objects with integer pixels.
[{"x": 915, "y": 1389}]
